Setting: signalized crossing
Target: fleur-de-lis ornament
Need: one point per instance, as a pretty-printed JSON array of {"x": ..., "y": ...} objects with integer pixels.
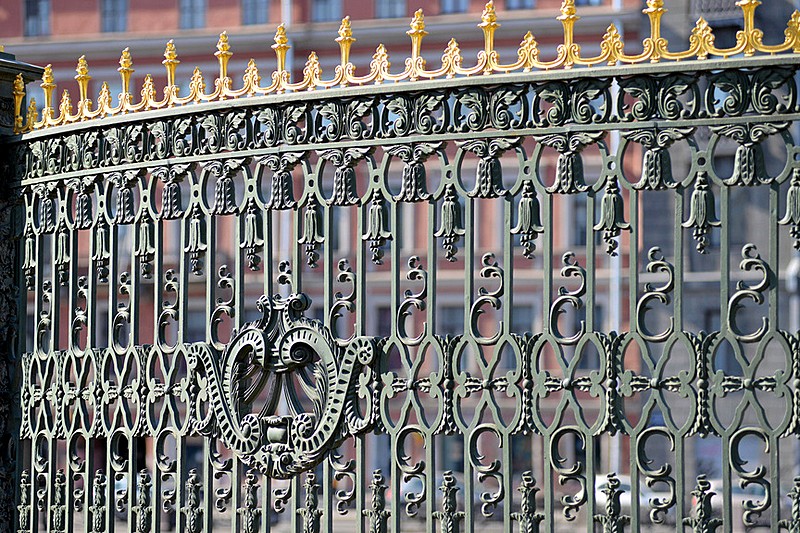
[
  {"x": 449, "y": 518},
  {"x": 702, "y": 212},
  {"x": 62, "y": 257},
  {"x": 527, "y": 517},
  {"x": 250, "y": 512},
  {"x": 145, "y": 244},
  {"x": 100, "y": 250},
  {"x": 196, "y": 242},
  {"x": 613, "y": 521},
  {"x": 29, "y": 258},
  {"x": 193, "y": 509},
  {"x": 252, "y": 241},
  {"x": 529, "y": 224},
  {"x": 703, "y": 520},
  {"x": 311, "y": 236},
  {"x": 612, "y": 216},
  {"x": 143, "y": 507},
  {"x": 376, "y": 233},
  {"x": 792, "y": 216},
  {"x": 58, "y": 506},
  {"x": 24, "y": 505},
  {"x": 451, "y": 226},
  {"x": 98, "y": 507},
  {"x": 377, "y": 513},
  {"x": 310, "y": 512}
]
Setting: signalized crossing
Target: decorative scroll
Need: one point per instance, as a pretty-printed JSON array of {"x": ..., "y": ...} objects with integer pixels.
[{"x": 280, "y": 343}]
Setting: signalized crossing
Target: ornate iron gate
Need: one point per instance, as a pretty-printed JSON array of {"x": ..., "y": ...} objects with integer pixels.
[{"x": 520, "y": 302}]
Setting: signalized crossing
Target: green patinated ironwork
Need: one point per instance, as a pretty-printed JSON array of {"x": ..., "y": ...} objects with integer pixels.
[{"x": 135, "y": 211}]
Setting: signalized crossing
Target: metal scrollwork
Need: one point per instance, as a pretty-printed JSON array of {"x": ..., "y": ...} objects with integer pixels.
[{"x": 280, "y": 342}]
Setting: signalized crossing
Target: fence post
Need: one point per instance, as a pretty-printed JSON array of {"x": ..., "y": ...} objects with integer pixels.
[{"x": 10, "y": 70}]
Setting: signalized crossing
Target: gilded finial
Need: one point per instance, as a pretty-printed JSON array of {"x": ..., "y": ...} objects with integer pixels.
[
  {"x": 83, "y": 67},
  {"x": 19, "y": 94},
  {"x": 345, "y": 30},
  {"x": 281, "y": 46},
  {"x": 125, "y": 70},
  {"x": 2, "y": 48},
  {"x": 223, "y": 54},
  {"x": 170, "y": 62},
  {"x": 568, "y": 9},
  {"x": 488, "y": 25},
  {"x": 345, "y": 40},
  {"x": 32, "y": 116},
  {"x": 488, "y": 16},
  {"x": 222, "y": 43},
  {"x": 125, "y": 61},
  {"x": 418, "y": 23},
  {"x": 793, "y": 31},
  {"x": 170, "y": 54},
  {"x": 82, "y": 77},
  {"x": 19, "y": 84},
  {"x": 48, "y": 86},
  {"x": 417, "y": 32}
]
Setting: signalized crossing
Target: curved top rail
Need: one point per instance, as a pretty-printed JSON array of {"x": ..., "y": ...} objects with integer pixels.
[{"x": 655, "y": 49}]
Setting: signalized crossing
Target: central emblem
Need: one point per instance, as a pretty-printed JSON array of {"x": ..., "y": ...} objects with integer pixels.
[{"x": 313, "y": 391}]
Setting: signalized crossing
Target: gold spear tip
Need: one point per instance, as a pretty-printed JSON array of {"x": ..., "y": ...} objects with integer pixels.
[
  {"x": 345, "y": 30},
  {"x": 125, "y": 61},
  {"x": 489, "y": 16},
  {"x": 280, "y": 35},
  {"x": 222, "y": 44},
  {"x": 568, "y": 8},
  {"x": 170, "y": 53},
  {"x": 418, "y": 22},
  {"x": 47, "y": 75},
  {"x": 83, "y": 67}
]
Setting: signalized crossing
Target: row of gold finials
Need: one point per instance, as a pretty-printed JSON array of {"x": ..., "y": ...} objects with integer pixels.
[{"x": 701, "y": 46}]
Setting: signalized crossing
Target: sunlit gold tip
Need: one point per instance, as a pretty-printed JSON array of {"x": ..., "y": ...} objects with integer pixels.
[{"x": 655, "y": 48}]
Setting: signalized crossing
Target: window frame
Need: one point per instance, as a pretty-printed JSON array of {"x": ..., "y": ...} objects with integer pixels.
[
  {"x": 113, "y": 16},
  {"x": 192, "y": 14}
]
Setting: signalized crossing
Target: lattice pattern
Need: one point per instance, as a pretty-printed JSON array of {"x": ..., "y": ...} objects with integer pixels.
[{"x": 173, "y": 263}]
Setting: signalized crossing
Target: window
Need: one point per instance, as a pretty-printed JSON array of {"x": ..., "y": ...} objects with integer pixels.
[
  {"x": 37, "y": 17},
  {"x": 714, "y": 10},
  {"x": 579, "y": 221},
  {"x": 114, "y": 15},
  {"x": 519, "y": 4},
  {"x": 326, "y": 10},
  {"x": 578, "y": 224},
  {"x": 588, "y": 2},
  {"x": 451, "y": 320},
  {"x": 522, "y": 319},
  {"x": 390, "y": 8},
  {"x": 254, "y": 12},
  {"x": 454, "y": 6},
  {"x": 193, "y": 14}
]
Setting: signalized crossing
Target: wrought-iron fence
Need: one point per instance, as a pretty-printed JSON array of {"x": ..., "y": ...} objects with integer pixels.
[{"x": 517, "y": 302}]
